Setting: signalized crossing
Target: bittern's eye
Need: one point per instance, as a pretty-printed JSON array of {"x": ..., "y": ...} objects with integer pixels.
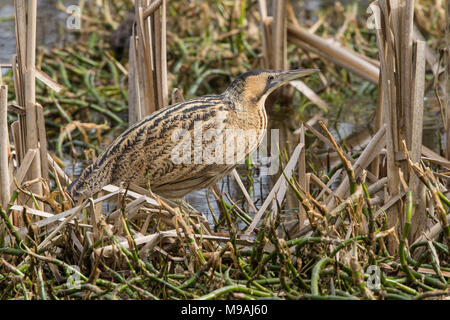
[{"x": 270, "y": 78}]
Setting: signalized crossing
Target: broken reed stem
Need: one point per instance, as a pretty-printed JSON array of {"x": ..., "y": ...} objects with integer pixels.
[
  {"x": 333, "y": 52},
  {"x": 419, "y": 220},
  {"x": 148, "y": 60},
  {"x": 30, "y": 83},
  {"x": 4, "y": 147},
  {"x": 403, "y": 87},
  {"x": 25, "y": 83},
  {"x": 279, "y": 35},
  {"x": 163, "y": 56},
  {"x": 151, "y": 8},
  {"x": 145, "y": 57},
  {"x": 406, "y": 14}
]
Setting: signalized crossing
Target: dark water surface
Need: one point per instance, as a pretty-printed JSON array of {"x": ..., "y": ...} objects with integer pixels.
[{"x": 50, "y": 26}]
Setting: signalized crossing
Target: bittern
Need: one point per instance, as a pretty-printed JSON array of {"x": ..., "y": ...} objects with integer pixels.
[{"x": 144, "y": 153}]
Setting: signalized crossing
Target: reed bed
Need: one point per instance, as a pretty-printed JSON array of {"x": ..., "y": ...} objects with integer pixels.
[{"x": 373, "y": 225}]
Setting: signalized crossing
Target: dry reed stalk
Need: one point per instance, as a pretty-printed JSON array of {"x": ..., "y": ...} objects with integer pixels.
[
  {"x": 394, "y": 24},
  {"x": 24, "y": 168},
  {"x": 163, "y": 43},
  {"x": 38, "y": 213},
  {"x": 49, "y": 82},
  {"x": 262, "y": 6},
  {"x": 21, "y": 58},
  {"x": 130, "y": 209},
  {"x": 406, "y": 14},
  {"x": 267, "y": 25},
  {"x": 4, "y": 147},
  {"x": 97, "y": 208},
  {"x": 145, "y": 63},
  {"x": 236, "y": 177},
  {"x": 151, "y": 8},
  {"x": 110, "y": 189},
  {"x": 19, "y": 138},
  {"x": 42, "y": 141},
  {"x": 310, "y": 94},
  {"x": 432, "y": 156},
  {"x": 277, "y": 59},
  {"x": 148, "y": 60},
  {"x": 419, "y": 218},
  {"x": 279, "y": 36},
  {"x": 62, "y": 176},
  {"x": 375, "y": 165},
  {"x": 30, "y": 94},
  {"x": 331, "y": 51},
  {"x": 150, "y": 242},
  {"x": 320, "y": 184},
  {"x": 61, "y": 225},
  {"x": 135, "y": 100},
  {"x": 153, "y": 239},
  {"x": 94, "y": 216},
  {"x": 431, "y": 58},
  {"x": 53, "y": 218},
  {"x": 155, "y": 23},
  {"x": 302, "y": 180},
  {"x": 20, "y": 22}
]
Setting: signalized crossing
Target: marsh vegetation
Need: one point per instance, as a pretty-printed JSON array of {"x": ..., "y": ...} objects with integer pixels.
[{"x": 360, "y": 209}]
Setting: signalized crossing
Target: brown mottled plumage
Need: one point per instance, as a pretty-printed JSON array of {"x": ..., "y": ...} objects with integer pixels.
[{"x": 143, "y": 154}]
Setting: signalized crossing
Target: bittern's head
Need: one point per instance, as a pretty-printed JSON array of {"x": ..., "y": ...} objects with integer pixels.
[{"x": 255, "y": 86}]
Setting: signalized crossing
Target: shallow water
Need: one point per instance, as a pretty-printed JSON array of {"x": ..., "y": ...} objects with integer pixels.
[{"x": 50, "y": 26}]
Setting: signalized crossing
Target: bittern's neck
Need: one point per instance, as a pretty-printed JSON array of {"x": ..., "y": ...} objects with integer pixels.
[
  {"x": 235, "y": 91},
  {"x": 241, "y": 99}
]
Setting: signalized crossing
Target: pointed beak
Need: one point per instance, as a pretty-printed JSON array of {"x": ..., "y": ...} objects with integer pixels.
[{"x": 283, "y": 77}]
